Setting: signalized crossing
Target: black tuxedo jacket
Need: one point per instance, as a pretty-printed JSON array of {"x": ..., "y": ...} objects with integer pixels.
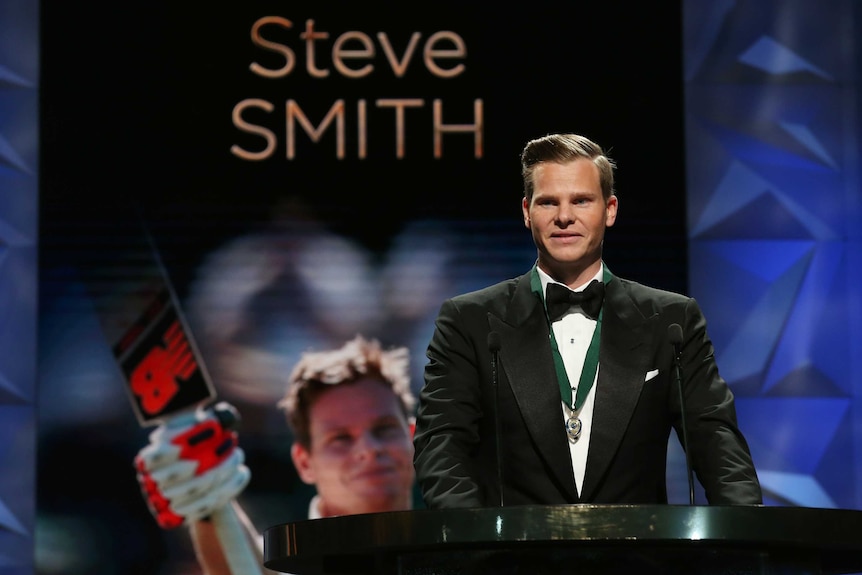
[{"x": 634, "y": 411}]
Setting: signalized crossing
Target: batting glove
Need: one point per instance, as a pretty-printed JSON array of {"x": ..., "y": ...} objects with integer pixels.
[{"x": 192, "y": 466}]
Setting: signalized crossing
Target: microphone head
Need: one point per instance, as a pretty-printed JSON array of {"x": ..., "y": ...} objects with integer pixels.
[
  {"x": 494, "y": 342},
  {"x": 674, "y": 334}
]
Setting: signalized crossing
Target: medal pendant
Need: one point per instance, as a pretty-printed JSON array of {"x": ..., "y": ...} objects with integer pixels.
[{"x": 573, "y": 428}]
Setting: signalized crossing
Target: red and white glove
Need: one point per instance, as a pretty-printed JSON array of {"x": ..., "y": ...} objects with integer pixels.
[{"x": 192, "y": 466}]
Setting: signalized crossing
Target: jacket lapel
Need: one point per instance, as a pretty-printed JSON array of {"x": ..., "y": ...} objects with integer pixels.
[
  {"x": 526, "y": 360},
  {"x": 623, "y": 359}
]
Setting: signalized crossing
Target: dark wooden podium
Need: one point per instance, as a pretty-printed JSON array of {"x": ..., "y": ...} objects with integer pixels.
[{"x": 578, "y": 539}]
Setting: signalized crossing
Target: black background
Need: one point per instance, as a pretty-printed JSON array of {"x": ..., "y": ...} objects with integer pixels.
[
  {"x": 137, "y": 102},
  {"x": 136, "y": 133}
]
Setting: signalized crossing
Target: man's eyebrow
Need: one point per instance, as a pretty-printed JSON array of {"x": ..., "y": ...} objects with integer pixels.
[
  {"x": 329, "y": 426},
  {"x": 387, "y": 419}
]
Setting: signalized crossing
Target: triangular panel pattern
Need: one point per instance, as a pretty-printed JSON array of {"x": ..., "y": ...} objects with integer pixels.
[
  {"x": 803, "y": 330},
  {"x": 9, "y": 79},
  {"x": 804, "y": 135},
  {"x": 751, "y": 348},
  {"x": 772, "y": 214},
  {"x": 18, "y": 126},
  {"x": 776, "y": 435},
  {"x": 17, "y": 499},
  {"x": 774, "y": 58},
  {"x": 9, "y": 157}
]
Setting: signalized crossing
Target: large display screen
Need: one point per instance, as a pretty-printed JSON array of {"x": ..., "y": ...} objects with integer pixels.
[{"x": 289, "y": 175}]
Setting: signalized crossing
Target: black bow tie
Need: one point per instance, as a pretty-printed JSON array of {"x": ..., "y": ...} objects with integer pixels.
[{"x": 559, "y": 299}]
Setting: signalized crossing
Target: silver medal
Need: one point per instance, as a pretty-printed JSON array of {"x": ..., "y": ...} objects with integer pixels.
[{"x": 573, "y": 428}]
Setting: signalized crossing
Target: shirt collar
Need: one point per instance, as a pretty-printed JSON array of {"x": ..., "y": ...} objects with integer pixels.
[{"x": 314, "y": 508}]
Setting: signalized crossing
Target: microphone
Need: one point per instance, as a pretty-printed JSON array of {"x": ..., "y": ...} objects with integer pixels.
[
  {"x": 494, "y": 347},
  {"x": 674, "y": 336}
]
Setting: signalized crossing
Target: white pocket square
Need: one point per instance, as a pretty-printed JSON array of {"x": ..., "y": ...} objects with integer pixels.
[{"x": 651, "y": 374}]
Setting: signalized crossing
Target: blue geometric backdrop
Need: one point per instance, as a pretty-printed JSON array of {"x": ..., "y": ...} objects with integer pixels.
[
  {"x": 774, "y": 224},
  {"x": 19, "y": 185}
]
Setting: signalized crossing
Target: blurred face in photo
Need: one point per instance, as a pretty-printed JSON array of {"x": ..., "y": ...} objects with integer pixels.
[{"x": 360, "y": 456}]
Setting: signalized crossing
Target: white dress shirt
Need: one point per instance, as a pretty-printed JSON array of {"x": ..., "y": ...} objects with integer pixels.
[{"x": 573, "y": 333}]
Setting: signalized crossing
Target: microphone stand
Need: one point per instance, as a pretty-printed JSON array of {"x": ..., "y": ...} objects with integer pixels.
[
  {"x": 675, "y": 336},
  {"x": 494, "y": 348}
]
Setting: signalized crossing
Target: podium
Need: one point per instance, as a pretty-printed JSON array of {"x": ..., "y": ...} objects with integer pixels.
[{"x": 578, "y": 539}]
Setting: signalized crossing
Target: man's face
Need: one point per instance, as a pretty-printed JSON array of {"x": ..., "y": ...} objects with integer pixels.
[
  {"x": 361, "y": 452},
  {"x": 567, "y": 217}
]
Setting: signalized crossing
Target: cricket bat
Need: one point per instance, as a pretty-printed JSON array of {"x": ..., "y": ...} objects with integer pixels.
[{"x": 164, "y": 375}]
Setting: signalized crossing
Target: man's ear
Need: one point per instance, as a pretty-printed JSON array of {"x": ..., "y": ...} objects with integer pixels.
[
  {"x": 302, "y": 462},
  {"x": 613, "y": 204}
]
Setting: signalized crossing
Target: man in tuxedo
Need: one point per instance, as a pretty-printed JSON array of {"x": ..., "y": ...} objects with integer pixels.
[{"x": 577, "y": 392}]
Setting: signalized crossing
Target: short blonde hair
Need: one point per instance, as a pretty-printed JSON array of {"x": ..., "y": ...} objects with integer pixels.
[
  {"x": 357, "y": 359},
  {"x": 562, "y": 149}
]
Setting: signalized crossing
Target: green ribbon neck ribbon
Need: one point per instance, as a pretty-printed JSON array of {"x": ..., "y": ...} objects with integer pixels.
[{"x": 591, "y": 363}]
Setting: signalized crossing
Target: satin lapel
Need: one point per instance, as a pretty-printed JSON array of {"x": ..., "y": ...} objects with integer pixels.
[
  {"x": 526, "y": 360},
  {"x": 623, "y": 361}
]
